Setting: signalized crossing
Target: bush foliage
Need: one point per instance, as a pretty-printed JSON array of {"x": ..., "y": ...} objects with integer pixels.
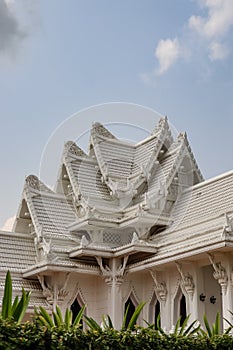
[
  {"x": 32, "y": 335},
  {"x": 54, "y": 332}
]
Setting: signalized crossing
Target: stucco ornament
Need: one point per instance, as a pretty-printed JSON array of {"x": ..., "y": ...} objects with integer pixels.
[
  {"x": 186, "y": 281},
  {"x": 219, "y": 273},
  {"x": 160, "y": 287}
]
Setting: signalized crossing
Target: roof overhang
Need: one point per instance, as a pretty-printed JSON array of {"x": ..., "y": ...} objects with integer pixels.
[
  {"x": 129, "y": 249},
  {"x": 48, "y": 269},
  {"x": 139, "y": 219},
  {"x": 216, "y": 245}
]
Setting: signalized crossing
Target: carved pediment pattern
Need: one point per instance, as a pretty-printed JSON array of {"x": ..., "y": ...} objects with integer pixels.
[
  {"x": 71, "y": 147},
  {"x": 33, "y": 182},
  {"x": 99, "y": 129}
]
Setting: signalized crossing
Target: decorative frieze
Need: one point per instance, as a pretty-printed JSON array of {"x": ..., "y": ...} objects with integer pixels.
[
  {"x": 114, "y": 275},
  {"x": 186, "y": 281},
  {"x": 219, "y": 273},
  {"x": 160, "y": 287},
  {"x": 228, "y": 227},
  {"x": 72, "y": 148},
  {"x": 99, "y": 129},
  {"x": 33, "y": 182},
  {"x": 43, "y": 248},
  {"x": 53, "y": 291}
]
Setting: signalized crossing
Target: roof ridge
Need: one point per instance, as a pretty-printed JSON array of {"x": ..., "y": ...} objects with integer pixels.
[{"x": 211, "y": 180}]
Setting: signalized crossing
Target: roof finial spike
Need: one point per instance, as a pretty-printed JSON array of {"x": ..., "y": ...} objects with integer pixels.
[
  {"x": 182, "y": 136},
  {"x": 161, "y": 125}
]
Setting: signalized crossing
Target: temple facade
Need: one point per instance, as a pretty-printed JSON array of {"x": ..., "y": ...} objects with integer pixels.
[{"x": 126, "y": 223}]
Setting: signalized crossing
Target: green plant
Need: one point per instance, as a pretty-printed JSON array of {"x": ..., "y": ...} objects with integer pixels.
[
  {"x": 92, "y": 324},
  {"x": 17, "y": 309},
  {"x": 215, "y": 329},
  {"x": 56, "y": 320},
  {"x": 181, "y": 330},
  {"x": 133, "y": 320},
  {"x": 108, "y": 324},
  {"x": 230, "y": 324}
]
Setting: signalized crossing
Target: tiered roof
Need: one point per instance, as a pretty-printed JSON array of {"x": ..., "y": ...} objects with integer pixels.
[{"x": 146, "y": 200}]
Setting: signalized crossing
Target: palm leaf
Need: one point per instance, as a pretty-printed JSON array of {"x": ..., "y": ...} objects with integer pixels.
[
  {"x": 43, "y": 321},
  {"x": 230, "y": 324},
  {"x": 177, "y": 326},
  {"x": 216, "y": 326},
  {"x": 158, "y": 324},
  {"x": 125, "y": 317},
  {"x": 56, "y": 319},
  {"x": 59, "y": 313},
  {"x": 14, "y": 305},
  {"x": 68, "y": 318},
  {"x": 46, "y": 317},
  {"x": 107, "y": 322},
  {"x": 21, "y": 306},
  {"x": 110, "y": 324},
  {"x": 191, "y": 331},
  {"x": 135, "y": 316},
  {"x": 91, "y": 323},
  {"x": 184, "y": 324},
  {"x": 207, "y": 326},
  {"x": 77, "y": 320},
  {"x": 7, "y": 297}
]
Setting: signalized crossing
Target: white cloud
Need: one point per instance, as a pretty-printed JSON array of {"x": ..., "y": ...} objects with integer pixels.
[
  {"x": 167, "y": 52},
  {"x": 212, "y": 28},
  {"x": 217, "y": 51},
  {"x": 8, "y": 225},
  {"x": 218, "y": 20}
]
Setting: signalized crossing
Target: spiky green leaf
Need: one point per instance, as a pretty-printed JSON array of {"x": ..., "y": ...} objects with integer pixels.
[
  {"x": 7, "y": 297},
  {"x": 135, "y": 316},
  {"x": 47, "y": 318},
  {"x": 207, "y": 326},
  {"x": 78, "y": 318}
]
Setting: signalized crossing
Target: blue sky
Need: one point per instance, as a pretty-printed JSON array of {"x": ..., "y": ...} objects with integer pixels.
[{"x": 58, "y": 57}]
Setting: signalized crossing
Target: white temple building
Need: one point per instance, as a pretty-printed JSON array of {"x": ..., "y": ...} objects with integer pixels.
[{"x": 126, "y": 223}]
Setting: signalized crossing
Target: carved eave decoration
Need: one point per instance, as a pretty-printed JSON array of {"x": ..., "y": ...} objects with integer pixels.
[
  {"x": 160, "y": 287},
  {"x": 182, "y": 148},
  {"x": 228, "y": 227},
  {"x": 220, "y": 273},
  {"x": 186, "y": 282}
]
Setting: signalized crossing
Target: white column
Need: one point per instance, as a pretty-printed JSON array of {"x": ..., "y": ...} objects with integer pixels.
[
  {"x": 227, "y": 293},
  {"x": 114, "y": 278}
]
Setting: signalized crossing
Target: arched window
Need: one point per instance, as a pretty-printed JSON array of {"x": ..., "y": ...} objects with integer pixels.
[
  {"x": 157, "y": 312},
  {"x": 131, "y": 308},
  {"x": 75, "y": 308},
  {"x": 180, "y": 309},
  {"x": 183, "y": 313},
  {"x": 154, "y": 310}
]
